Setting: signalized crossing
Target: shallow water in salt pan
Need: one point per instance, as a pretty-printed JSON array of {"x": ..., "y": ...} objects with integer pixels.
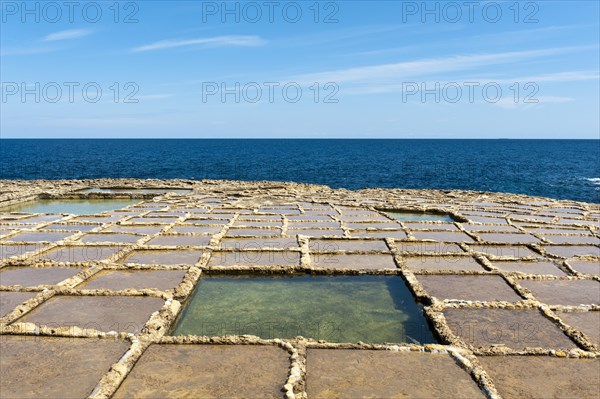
[
  {"x": 372, "y": 309},
  {"x": 76, "y": 207}
]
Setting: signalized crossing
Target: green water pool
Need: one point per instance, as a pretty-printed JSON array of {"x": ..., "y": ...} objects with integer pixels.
[
  {"x": 76, "y": 207},
  {"x": 372, "y": 309}
]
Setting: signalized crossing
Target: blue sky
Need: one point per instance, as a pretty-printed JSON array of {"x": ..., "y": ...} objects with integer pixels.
[{"x": 372, "y": 69}]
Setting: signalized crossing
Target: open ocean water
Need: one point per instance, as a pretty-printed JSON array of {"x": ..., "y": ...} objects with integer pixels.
[{"x": 563, "y": 169}]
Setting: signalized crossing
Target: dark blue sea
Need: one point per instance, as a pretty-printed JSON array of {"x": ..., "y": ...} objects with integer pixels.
[{"x": 563, "y": 169}]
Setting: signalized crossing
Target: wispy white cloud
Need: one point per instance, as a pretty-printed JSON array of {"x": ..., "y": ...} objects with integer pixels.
[
  {"x": 384, "y": 51},
  {"x": 554, "y": 99},
  {"x": 155, "y": 96},
  {"x": 398, "y": 72},
  {"x": 529, "y": 33},
  {"x": 348, "y": 34},
  {"x": 47, "y": 44},
  {"x": 557, "y": 77},
  {"x": 67, "y": 35},
  {"x": 217, "y": 41},
  {"x": 510, "y": 103},
  {"x": 569, "y": 76},
  {"x": 23, "y": 50},
  {"x": 482, "y": 39}
]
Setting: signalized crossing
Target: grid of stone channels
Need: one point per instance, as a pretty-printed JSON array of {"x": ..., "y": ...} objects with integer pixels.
[{"x": 504, "y": 248}]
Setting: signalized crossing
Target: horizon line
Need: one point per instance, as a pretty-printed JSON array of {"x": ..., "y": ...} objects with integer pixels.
[{"x": 295, "y": 138}]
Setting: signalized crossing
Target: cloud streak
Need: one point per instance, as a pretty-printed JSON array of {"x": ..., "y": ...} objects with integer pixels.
[
  {"x": 217, "y": 41},
  {"x": 397, "y": 72},
  {"x": 509, "y": 103},
  {"x": 558, "y": 77},
  {"x": 20, "y": 51},
  {"x": 67, "y": 35}
]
